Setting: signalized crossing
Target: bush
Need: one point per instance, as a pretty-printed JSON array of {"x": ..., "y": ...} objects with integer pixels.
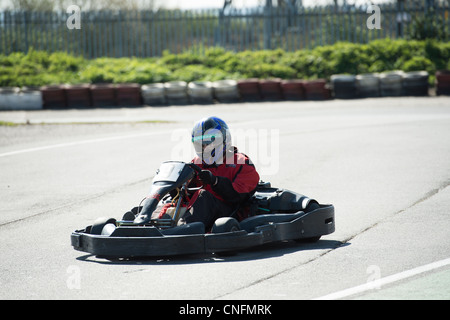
[
  {"x": 41, "y": 68},
  {"x": 124, "y": 70},
  {"x": 418, "y": 64},
  {"x": 175, "y": 61},
  {"x": 37, "y": 68},
  {"x": 191, "y": 73}
]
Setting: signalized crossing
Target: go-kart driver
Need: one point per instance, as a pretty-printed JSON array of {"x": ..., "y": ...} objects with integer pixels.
[{"x": 228, "y": 177}]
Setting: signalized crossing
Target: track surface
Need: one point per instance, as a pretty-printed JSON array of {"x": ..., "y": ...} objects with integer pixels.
[{"x": 384, "y": 164}]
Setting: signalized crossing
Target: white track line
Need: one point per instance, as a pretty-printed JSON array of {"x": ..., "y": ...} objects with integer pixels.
[
  {"x": 76, "y": 143},
  {"x": 383, "y": 281}
]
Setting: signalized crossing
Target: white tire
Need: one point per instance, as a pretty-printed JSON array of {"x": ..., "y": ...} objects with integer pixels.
[
  {"x": 176, "y": 92},
  {"x": 225, "y": 90},
  {"x": 153, "y": 94},
  {"x": 200, "y": 91}
]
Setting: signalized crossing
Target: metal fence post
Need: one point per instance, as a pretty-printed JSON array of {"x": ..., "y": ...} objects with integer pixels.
[{"x": 268, "y": 25}]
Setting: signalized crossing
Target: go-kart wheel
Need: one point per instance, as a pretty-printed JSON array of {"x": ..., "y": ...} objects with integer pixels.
[
  {"x": 100, "y": 223},
  {"x": 131, "y": 215},
  {"x": 128, "y": 216},
  {"x": 222, "y": 225}
]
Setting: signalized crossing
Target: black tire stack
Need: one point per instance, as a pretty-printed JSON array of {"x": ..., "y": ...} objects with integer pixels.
[
  {"x": 368, "y": 85},
  {"x": 386, "y": 84},
  {"x": 415, "y": 83},
  {"x": 391, "y": 84},
  {"x": 344, "y": 86}
]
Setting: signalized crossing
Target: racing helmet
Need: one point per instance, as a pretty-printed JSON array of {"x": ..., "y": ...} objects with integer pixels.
[{"x": 211, "y": 138}]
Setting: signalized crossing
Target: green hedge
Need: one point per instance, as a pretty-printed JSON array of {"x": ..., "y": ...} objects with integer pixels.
[{"x": 38, "y": 68}]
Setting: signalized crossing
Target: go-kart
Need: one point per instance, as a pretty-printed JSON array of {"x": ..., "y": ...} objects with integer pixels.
[{"x": 270, "y": 215}]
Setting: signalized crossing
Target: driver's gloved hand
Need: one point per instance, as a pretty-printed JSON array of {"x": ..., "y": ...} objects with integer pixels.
[{"x": 207, "y": 177}]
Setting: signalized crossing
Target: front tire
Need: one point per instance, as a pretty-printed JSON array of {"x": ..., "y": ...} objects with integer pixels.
[
  {"x": 100, "y": 223},
  {"x": 223, "y": 225}
]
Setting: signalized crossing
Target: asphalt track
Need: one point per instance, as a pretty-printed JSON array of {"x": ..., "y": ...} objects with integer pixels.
[{"x": 384, "y": 163}]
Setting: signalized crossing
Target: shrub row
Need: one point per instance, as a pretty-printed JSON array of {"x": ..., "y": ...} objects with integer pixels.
[{"x": 37, "y": 68}]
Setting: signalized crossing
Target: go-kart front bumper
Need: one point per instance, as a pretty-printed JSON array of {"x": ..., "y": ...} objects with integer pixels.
[{"x": 142, "y": 241}]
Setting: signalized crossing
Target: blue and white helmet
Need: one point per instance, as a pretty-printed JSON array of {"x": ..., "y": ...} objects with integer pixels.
[{"x": 211, "y": 138}]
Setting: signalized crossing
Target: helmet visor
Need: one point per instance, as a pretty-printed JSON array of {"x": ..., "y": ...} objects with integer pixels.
[{"x": 209, "y": 146}]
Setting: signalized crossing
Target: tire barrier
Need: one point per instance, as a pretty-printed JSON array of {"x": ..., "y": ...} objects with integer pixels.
[
  {"x": 103, "y": 95},
  {"x": 200, "y": 92},
  {"x": 442, "y": 82},
  {"x": 293, "y": 89},
  {"x": 27, "y": 98},
  {"x": 415, "y": 83},
  {"x": 343, "y": 86},
  {"x": 176, "y": 92},
  {"x": 226, "y": 90},
  {"x": 249, "y": 90},
  {"x": 128, "y": 94},
  {"x": 368, "y": 85},
  {"x": 153, "y": 94},
  {"x": 317, "y": 90},
  {"x": 54, "y": 97},
  {"x": 391, "y": 84},
  {"x": 78, "y": 96},
  {"x": 270, "y": 89},
  {"x": 6, "y": 96},
  {"x": 386, "y": 84}
]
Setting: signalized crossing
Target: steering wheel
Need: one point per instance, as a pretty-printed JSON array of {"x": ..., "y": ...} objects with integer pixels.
[
  {"x": 195, "y": 167},
  {"x": 197, "y": 170}
]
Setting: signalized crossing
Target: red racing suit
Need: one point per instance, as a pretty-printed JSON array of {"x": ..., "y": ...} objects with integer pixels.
[
  {"x": 237, "y": 179},
  {"x": 240, "y": 172}
]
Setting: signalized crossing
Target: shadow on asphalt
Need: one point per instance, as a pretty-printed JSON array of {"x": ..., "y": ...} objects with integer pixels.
[{"x": 266, "y": 251}]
